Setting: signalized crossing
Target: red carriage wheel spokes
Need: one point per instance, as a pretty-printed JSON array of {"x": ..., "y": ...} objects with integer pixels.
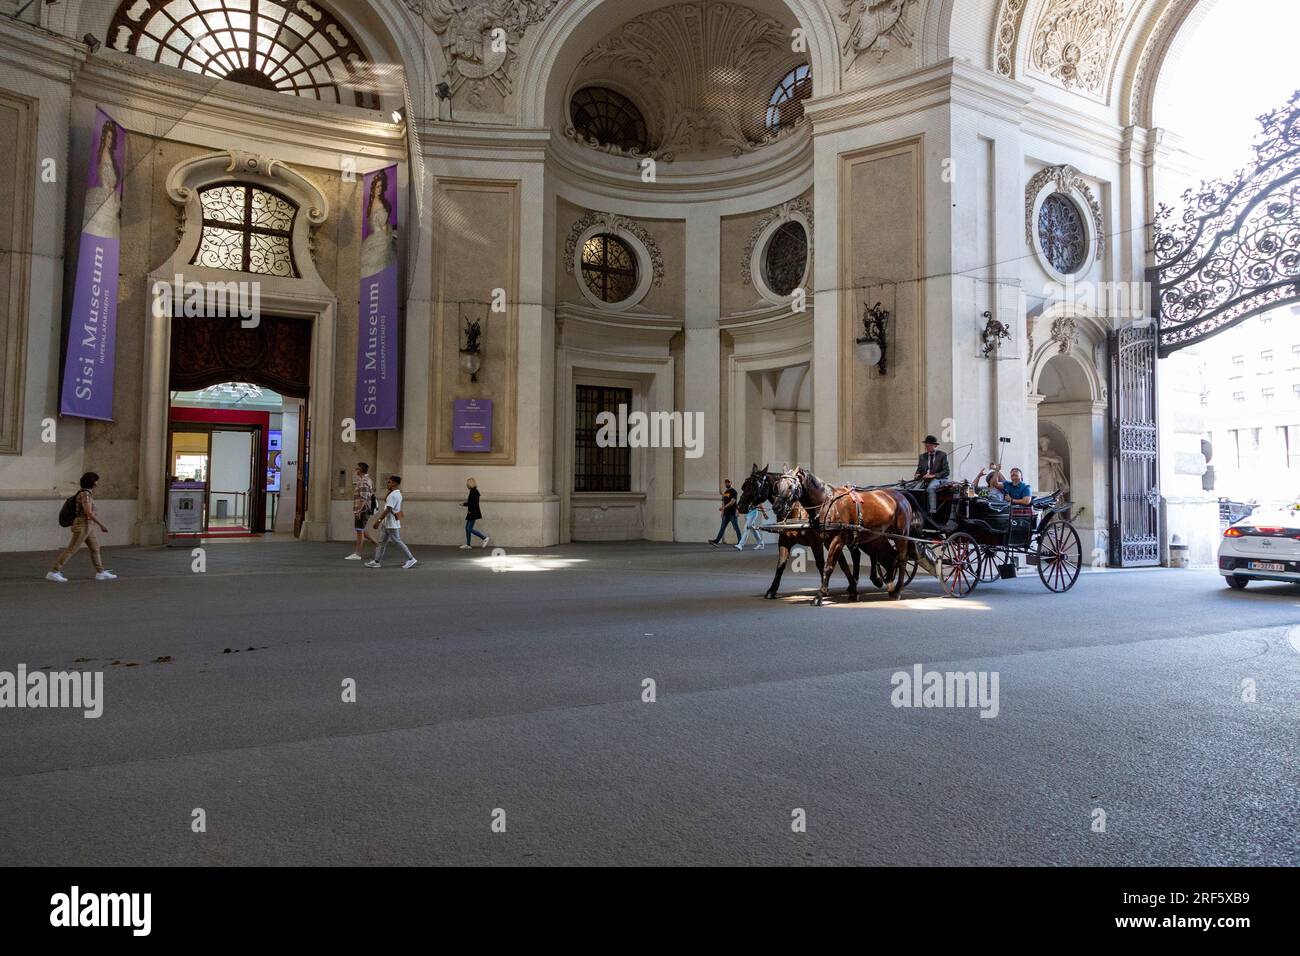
[
  {"x": 959, "y": 558},
  {"x": 1060, "y": 556}
]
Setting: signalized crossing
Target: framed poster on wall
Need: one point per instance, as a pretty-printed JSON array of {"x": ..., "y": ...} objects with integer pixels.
[{"x": 472, "y": 424}]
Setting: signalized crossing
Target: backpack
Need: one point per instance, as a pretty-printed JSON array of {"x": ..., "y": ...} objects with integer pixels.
[{"x": 68, "y": 513}]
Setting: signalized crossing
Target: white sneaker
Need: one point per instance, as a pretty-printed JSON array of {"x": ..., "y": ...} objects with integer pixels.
[
  {"x": 485, "y": 541},
  {"x": 372, "y": 564},
  {"x": 410, "y": 564},
  {"x": 760, "y": 547},
  {"x": 740, "y": 547},
  {"x": 56, "y": 576},
  {"x": 353, "y": 557},
  {"x": 464, "y": 547},
  {"x": 105, "y": 576}
]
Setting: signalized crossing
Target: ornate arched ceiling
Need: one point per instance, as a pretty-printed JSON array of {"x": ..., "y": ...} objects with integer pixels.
[{"x": 701, "y": 72}]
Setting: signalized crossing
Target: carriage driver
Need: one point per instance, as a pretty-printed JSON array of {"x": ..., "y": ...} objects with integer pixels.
[{"x": 932, "y": 468}]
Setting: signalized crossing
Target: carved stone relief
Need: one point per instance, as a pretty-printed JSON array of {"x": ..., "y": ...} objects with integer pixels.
[
  {"x": 875, "y": 25},
  {"x": 480, "y": 40},
  {"x": 1074, "y": 40}
]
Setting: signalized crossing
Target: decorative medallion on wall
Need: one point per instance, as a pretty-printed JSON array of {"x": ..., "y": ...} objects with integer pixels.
[
  {"x": 1063, "y": 218},
  {"x": 480, "y": 40},
  {"x": 875, "y": 25},
  {"x": 1074, "y": 40},
  {"x": 703, "y": 68},
  {"x": 793, "y": 251}
]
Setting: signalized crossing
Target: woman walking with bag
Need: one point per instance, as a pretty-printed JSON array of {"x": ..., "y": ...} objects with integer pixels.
[
  {"x": 83, "y": 523},
  {"x": 472, "y": 514}
]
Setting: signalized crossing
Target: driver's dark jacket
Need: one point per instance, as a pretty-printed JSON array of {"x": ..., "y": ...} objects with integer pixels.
[{"x": 939, "y": 468}]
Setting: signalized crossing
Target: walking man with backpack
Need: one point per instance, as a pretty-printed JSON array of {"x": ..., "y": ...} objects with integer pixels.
[
  {"x": 78, "y": 513},
  {"x": 390, "y": 524}
]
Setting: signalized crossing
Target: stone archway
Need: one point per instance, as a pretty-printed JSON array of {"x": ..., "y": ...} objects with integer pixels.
[{"x": 1069, "y": 399}]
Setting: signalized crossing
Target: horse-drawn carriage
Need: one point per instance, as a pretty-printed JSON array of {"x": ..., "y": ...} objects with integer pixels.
[
  {"x": 988, "y": 538},
  {"x": 968, "y": 540}
]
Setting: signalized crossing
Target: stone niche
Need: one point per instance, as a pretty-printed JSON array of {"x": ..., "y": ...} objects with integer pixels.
[
  {"x": 476, "y": 251},
  {"x": 881, "y": 239}
]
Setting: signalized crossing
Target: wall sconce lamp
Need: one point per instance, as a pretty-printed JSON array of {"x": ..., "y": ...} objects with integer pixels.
[
  {"x": 994, "y": 332},
  {"x": 471, "y": 356},
  {"x": 873, "y": 345}
]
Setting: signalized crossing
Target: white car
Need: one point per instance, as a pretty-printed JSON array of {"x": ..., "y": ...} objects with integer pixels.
[{"x": 1262, "y": 547}]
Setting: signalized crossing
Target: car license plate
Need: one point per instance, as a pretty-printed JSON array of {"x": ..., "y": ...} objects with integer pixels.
[{"x": 1266, "y": 566}]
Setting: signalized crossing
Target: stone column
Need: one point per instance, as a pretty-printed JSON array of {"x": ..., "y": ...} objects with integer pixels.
[{"x": 695, "y": 512}]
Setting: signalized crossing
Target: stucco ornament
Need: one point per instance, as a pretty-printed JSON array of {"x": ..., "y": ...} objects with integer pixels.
[
  {"x": 1073, "y": 41},
  {"x": 1065, "y": 333},
  {"x": 782, "y": 213},
  {"x": 873, "y": 24},
  {"x": 474, "y": 50}
]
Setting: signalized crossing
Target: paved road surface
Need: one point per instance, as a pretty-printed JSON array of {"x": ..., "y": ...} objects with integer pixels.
[{"x": 519, "y": 686}]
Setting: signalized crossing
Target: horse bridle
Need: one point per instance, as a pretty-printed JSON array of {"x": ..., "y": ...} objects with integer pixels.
[{"x": 783, "y": 503}]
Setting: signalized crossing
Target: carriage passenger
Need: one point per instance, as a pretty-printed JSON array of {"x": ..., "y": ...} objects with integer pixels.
[{"x": 1017, "y": 492}]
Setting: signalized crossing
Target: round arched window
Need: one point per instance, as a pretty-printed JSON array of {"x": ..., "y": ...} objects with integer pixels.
[
  {"x": 609, "y": 118},
  {"x": 292, "y": 47},
  {"x": 1062, "y": 233},
  {"x": 785, "y": 105},
  {"x": 609, "y": 268},
  {"x": 786, "y": 258}
]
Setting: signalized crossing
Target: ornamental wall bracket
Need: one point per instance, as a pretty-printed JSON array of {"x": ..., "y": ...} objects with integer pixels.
[
  {"x": 613, "y": 223},
  {"x": 875, "y": 25},
  {"x": 782, "y": 213},
  {"x": 1066, "y": 179},
  {"x": 992, "y": 335}
]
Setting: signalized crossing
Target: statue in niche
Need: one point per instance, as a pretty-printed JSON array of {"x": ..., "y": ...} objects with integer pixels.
[{"x": 1051, "y": 470}]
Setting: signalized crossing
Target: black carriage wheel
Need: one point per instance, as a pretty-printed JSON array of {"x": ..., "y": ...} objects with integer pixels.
[
  {"x": 1060, "y": 556},
  {"x": 959, "y": 564},
  {"x": 912, "y": 565},
  {"x": 990, "y": 560}
]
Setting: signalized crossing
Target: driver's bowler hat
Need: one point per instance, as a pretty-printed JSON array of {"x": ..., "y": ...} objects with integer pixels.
[{"x": 930, "y": 440}]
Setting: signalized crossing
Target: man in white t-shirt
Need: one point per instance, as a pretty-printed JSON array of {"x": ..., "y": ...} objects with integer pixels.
[{"x": 389, "y": 524}]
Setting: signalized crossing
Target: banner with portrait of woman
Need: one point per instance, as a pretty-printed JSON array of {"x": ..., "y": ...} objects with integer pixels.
[
  {"x": 92, "y": 330},
  {"x": 377, "y": 360}
]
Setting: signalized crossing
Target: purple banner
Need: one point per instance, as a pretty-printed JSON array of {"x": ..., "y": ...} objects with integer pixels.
[
  {"x": 472, "y": 424},
  {"x": 377, "y": 360},
  {"x": 92, "y": 330}
]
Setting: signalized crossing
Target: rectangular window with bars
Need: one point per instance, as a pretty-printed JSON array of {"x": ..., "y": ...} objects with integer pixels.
[{"x": 596, "y": 468}]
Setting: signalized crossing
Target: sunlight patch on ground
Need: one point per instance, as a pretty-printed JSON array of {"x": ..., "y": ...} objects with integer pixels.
[
  {"x": 884, "y": 603},
  {"x": 526, "y": 562}
]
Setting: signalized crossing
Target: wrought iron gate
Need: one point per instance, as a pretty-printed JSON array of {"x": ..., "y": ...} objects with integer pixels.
[{"x": 1135, "y": 493}]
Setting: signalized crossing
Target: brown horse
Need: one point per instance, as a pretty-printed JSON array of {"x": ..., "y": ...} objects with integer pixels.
[
  {"x": 757, "y": 488},
  {"x": 849, "y": 517}
]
